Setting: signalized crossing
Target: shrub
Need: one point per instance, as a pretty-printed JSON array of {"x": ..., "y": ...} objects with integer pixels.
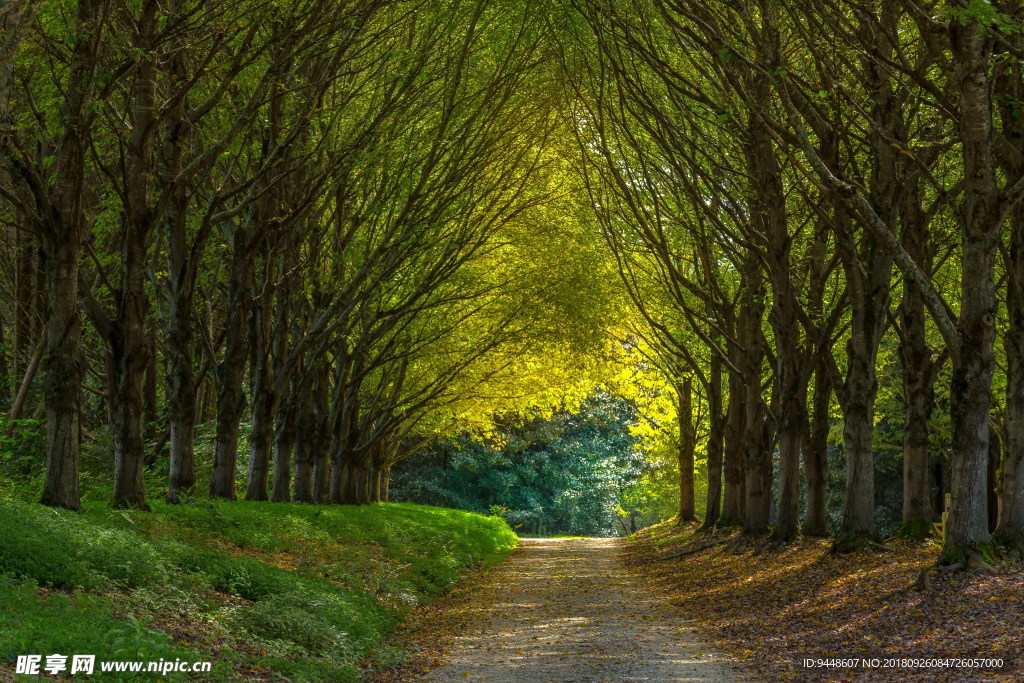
[
  {"x": 39, "y": 550},
  {"x": 59, "y": 549},
  {"x": 241, "y": 576}
]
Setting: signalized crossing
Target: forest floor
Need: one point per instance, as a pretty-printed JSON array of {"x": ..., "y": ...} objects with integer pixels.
[
  {"x": 776, "y": 605},
  {"x": 559, "y": 610}
]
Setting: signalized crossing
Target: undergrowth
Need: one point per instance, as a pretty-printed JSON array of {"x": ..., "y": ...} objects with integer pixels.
[{"x": 267, "y": 590}]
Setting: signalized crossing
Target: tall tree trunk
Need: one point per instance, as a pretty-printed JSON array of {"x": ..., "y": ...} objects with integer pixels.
[
  {"x": 63, "y": 366},
  {"x": 180, "y": 380},
  {"x": 322, "y": 444},
  {"x": 375, "y": 483},
  {"x": 820, "y": 361},
  {"x": 816, "y": 454},
  {"x": 339, "y": 472},
  {"x": 974, "y": 360},
  {"x": 230, "y": 396},
  {"x": 322, "y": 471},
  {"x": 386, "y": 484},
  {"x": 261, "y": 434},
  {"x": 868, "y": 268},
  {"x": 918, "y": 393},
  {"x": 757, "y": 457},
  {"x": 284, "y": 445},
  {"x": 129, "y": 350},
  {"x": 264, "y": 402},
  {"x": 858, "y": 420},
  {"x": 128, "y": 338},
  {"x": 61, "y": 230},
  {"x": 358, "y": 483},
  {"x": 734, "y": 499},
  {"x": 25, "y": 313},
  {"x": 149, "y": 391},
  {"x": 182, "y": 268},
  {"x": 1009, "y": 88},
  {"x": 345, "y": 421},
  {"x": 302, "y": 486},
  {"x": 868, "y": 272},
  {"x": 919, "y": 373},
  {"x": 1011, "y": 487},
  {"x": 687, "y": 445},
  {"x": 270, "y": 334},
  {"x": 713, "y": 509},
  {"x": 791, "y": 421},
  {"x": 768, "y": 213}
]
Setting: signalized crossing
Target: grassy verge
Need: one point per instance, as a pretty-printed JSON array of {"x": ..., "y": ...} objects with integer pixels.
[
  {"x": 262, "y": 590},
  {"x": 776, "y": 605}
]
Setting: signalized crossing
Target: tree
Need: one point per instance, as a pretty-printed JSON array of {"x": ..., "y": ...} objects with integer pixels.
[{"x": 56, "y": 211}]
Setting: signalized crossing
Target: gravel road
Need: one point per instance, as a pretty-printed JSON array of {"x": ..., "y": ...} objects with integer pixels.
[{"x": 570, "y": 610}]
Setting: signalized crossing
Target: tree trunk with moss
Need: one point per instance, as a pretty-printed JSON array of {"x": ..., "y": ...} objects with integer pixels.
[
  {"x": 1009, "y": 87},
  {"x": 981, "y": 218},
  {"x": 59, "y": 199},
  {"x": 757, "y": 457}
]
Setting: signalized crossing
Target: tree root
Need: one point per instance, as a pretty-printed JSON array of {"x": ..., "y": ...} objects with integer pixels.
[
  {"x": 1012, "y": 546},
  {"x": 915, "y": 531},
  {"x": 848, "y": 543},
  {"x": 970, "y": 561}
]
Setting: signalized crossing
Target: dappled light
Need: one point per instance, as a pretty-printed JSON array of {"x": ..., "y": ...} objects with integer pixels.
[
  {"x": 775, "y": 609},
  {"x": 568, "y": 609},
  {"x": 312, "y": 310}
]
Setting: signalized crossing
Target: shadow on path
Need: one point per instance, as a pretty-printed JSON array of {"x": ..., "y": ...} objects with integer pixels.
[{"x": 570, "y": 610}]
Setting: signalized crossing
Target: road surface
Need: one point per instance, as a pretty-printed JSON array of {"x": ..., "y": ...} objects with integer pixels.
[{"x": 570, "y": 610}]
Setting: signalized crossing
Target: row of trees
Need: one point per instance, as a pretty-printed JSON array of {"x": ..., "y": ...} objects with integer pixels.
[
  {"x": 318, "y": 218},
  {"x": 782, "y": 185},
  {"x": 347, "y": 225}
]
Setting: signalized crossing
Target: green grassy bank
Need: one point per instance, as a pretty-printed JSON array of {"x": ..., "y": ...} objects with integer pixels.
[{"x": 266, "y": 591}]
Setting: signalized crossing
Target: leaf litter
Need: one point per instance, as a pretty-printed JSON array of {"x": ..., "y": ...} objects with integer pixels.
[{"x": 777, "y": 605}]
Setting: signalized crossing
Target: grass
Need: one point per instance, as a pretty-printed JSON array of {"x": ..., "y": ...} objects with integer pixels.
[{"x": 263, "y": 590}]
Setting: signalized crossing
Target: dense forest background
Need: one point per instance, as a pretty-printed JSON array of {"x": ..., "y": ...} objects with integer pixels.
[
  {"x": 576, "y": 473},
  {"x": 554, "y": 255}
]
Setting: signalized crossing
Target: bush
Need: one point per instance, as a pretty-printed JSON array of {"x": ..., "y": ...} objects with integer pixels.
[
  {"x": 31, "y": 623},
  {"x": 40, "y": 550},
  {"x": 241, "y": 576},
  {"x": 121, "y": 556},
  {"x": 297, "y": 618},
  {"x": 60, "y": 549}
]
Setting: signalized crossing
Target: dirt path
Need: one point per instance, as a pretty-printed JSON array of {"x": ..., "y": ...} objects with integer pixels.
[{"x": 570, "y": 610}]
